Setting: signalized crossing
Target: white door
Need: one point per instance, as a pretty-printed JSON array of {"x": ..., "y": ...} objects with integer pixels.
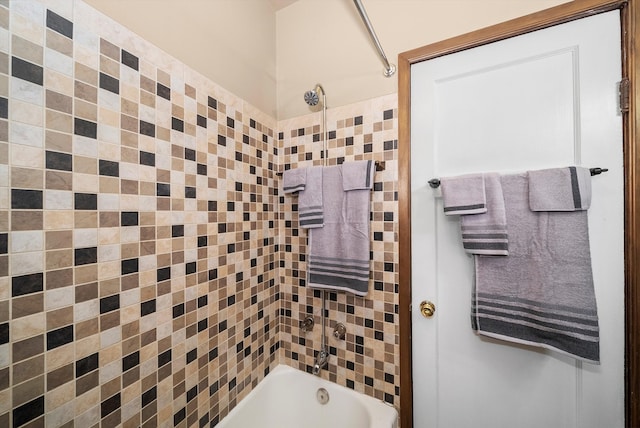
[{"x": 545, "y": 99}]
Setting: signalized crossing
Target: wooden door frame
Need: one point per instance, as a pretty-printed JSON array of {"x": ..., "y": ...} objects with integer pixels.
[{"x": 630, "y": 25}]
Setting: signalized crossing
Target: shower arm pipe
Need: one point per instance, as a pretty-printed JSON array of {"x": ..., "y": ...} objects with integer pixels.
[
  {"x": 390, "y": 69},
  {"x": 325, "y": 153}
]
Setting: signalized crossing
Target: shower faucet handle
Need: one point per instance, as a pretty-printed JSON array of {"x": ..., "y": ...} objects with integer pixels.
[
  {"x": 339, "y": 331},
  {"x": 307, "y": 323}
]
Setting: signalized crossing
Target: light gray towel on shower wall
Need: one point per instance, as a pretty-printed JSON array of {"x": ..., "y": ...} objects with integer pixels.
[
  {"x": 560, "y": 189},
  {"x": 294, "y": 180},
  {"x": 310, "y": 200},
  {"x": 357, "y": 175},
  {"x": 339, "y": 252},
  {"x": 542, "y": 293},
  {"x": 486, "y": 233},
  {"x": 463, "y": 194}
]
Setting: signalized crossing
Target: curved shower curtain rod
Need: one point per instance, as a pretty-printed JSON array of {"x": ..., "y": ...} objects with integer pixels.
[{"x": 390, "y": 69}]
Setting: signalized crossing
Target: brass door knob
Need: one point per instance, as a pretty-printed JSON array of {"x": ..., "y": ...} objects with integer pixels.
[{"x": 427, "y": 308}]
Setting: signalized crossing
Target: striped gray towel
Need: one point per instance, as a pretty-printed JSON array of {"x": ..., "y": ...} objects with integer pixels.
[
  {"x": 310, "y": 205},
  {"x": 542, "y": 294},
  {"x": 294, "y": 180},
  {"x": 464, "y": 194},
  {"x": 486, "y": 233},
  {"x": 560, "y": 189},
  {"x": 339, "y": 252},
  {"x": 307, "y": 182}
]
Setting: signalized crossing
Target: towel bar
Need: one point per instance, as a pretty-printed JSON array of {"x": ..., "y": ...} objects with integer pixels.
[
  {"x": 380, "y": 166},
  {"x": 435, "y": 182}
]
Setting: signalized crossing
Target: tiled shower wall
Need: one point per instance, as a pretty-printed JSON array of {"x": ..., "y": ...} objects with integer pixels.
[
  {"x": 368, "y": 359},
  {"x": 138, "y": 273},
  {"x": 151, "y": 272}
]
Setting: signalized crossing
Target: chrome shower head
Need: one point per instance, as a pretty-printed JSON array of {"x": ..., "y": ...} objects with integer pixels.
[{"x": 312, "y": 97}]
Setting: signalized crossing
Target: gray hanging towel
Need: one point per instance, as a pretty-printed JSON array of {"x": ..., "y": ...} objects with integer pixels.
[
  {"x": 294, "y": 180},
  {"x": 464, "y": 194},
  {"x": 339, "y": 251},
  {"x": 542, "y": 293},
  {"x": 308, "y": 183},
  {"x": 486, "y": 233},
  {"x": 560, "y": 189}
]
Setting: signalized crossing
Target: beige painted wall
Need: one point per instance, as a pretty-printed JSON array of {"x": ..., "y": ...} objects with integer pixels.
[
  {"x": 324, "y": 41},
  {"x": 243, "y": 45},
  {"x": 232, "y": 42}
]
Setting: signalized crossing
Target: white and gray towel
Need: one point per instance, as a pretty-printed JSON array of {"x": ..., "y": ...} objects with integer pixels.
[
  {"x": 339, "y": 251},
  {"x": 486, "y": 233},
  {"x": 294, "y": 180},
  {"x": 308, "y": 183},
  {"x": 464, "y": 194},
  {"x": 542, "y": 293},
  {"x": 560, "y": 189}
]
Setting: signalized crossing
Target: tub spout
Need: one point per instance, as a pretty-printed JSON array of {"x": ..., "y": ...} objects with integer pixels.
[{"x": 322, "y": 359}]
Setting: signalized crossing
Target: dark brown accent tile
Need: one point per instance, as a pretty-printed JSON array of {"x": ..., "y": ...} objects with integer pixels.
[
  {"x": 128, "y": 187},
  {"x": 58, "y": 180},
  {"x": 58, "y": 239},
  {"x": 27, "y": 305},
  {"x": 131, "y": 376},
  {"x": 87, "y": 382},
  {"x": 28, "y": 348},
  {"x": 59, "y": 259},
  {"x": 60, "y": 376},
  {"x": 59, "y": 318},
  {"x": 110, "y": 388},
  {"x": 4, "y": 311},
  {"x": 4, "y": 379},
  {"x": 28, "y": 369},
  {"x": 130, "y": 333},
  {"x": 129, "y": 282},
  {"x": 109, "y": 219},
  {"x": 26, "y": 220},
  {"x": 86, "y": 292},
  {"x": 110, "y": 320},
  {"x": 87, "y": 328},
  {"x": 59, "y": 278}
]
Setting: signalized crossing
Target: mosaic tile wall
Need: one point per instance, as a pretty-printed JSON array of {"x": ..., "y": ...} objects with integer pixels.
[
  {"x": 138, "y": 270},
  {"x": 151, "y": 272},
  {"x": 368, "y": 360}
]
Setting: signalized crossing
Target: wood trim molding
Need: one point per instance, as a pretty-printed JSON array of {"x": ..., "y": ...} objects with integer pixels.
[
  {"x": 631, "y": 60},
  {"x": 631, "y": 70}
]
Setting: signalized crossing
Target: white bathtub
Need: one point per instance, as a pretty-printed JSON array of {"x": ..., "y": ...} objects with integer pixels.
[{"x": 287, "y": 398}]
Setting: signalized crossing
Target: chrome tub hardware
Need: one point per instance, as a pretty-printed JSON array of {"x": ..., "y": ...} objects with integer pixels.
[
  {"x": 339, "y": 331},
  {"x": 322, "y": 361},
  {"x": 307, "y": 323},
  {"x": 322, "y": 395}
]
